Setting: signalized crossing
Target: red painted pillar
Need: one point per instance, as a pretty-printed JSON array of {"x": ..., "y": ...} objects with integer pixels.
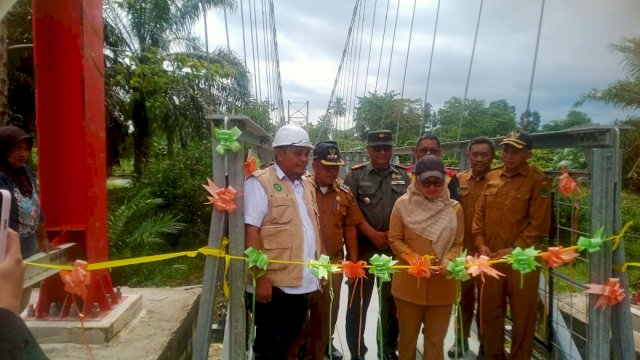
[{"x": 70, "y": 107}]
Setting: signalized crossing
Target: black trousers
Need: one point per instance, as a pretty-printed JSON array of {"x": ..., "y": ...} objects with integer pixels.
[
  {"x": 388, "y": 318},
  {"x": 278, "y": 323}
]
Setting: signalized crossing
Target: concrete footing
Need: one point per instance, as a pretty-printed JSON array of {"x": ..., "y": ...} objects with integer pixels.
[{"x": 163, "y": 329}]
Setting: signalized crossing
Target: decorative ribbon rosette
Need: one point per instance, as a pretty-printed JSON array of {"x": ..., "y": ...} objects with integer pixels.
[
  {"x": 221, "y": 198},
  {"x": 457, "y": 268},
  {"x": 480, "y": 266},
  {"x": 322, "y": 267},
  {"x": 418, "y": 265},
  {"x": 523, "y": 260},
  {"x": 257, "y": 259},
  {"x": 610, "y": 294},
  {"x": 591, "y": 244},
  {"x": 382, "y": 267},
  {"x": 76, "y": 280},
  {"x": 228, "y": 139},
  {"x": 556, "y": 256},
  {"x": 252, "y": 164},
  {"x": 567, "y": 185},
  {"x": 353, "y": 270}
]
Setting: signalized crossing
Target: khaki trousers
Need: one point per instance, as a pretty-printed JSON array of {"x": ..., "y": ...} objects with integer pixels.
[
  {"x": 411, "y": 317},
  {"x": 523, "y": 302}
]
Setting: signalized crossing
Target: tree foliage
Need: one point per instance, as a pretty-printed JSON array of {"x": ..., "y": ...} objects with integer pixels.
[
  {"x": 574, "y": 119},
  {"x": 386, "y": 111},
  {"x": 474, "y": 118}
]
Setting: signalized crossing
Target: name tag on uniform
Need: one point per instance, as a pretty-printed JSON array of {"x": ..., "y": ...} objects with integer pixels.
[
  {"x": 365, "y": 183},
  {"x": 397, "y": 182}
]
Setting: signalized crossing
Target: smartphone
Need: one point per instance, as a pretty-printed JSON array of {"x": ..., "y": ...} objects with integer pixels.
[{"x": 4, "y": 222}]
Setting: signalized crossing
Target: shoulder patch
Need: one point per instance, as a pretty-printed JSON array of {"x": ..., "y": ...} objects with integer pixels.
[
  {"x": 544, "y": 190},
  {"x": 344, "y": 188}
]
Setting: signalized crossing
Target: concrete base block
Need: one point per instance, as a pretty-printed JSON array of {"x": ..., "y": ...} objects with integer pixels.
[{"x": 94, "y": 331}]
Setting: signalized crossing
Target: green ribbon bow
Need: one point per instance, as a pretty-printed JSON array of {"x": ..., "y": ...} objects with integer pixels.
[
  {"x": 257, "y": 259},
  {"x": 591, "y": 244},
  {"x": 457, "y": 267},
  {"x": 523, "y": 260},
  {"x": 382, "y": 267},
  {"x": 320, "y": 268},
  {"x": 228, "y": 139}
]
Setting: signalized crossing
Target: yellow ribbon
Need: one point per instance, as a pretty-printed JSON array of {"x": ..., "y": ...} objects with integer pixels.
[{"x": 221, "y": 252}]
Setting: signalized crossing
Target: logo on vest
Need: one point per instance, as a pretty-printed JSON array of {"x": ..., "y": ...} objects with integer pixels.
[{"x": 278, "y": 187}]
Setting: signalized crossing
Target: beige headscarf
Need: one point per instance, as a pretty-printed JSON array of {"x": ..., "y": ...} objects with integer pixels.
[{"x": 433, "y": 219}]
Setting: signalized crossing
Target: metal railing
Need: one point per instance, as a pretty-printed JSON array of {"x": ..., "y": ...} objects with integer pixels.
[{"x": 570, "y": 327}]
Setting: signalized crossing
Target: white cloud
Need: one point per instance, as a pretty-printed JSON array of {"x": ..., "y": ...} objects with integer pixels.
[{"x": 573, "y": 56}]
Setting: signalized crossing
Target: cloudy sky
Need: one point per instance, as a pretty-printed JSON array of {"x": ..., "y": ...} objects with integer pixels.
[{"x": 573, "y": 56}]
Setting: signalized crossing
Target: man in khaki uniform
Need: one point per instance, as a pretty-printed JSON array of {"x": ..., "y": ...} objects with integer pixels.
[
  {"x": 339, "y": 216},
  {"x": 281, "y": 218},
  {"x": 480, "y": 154},
  {"x": 513, "y": 211}
]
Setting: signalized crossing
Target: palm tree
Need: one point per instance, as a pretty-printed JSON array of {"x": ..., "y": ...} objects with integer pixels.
[
  {"x": 156, "y": 39},
  {"x": 624, "y": 94}
]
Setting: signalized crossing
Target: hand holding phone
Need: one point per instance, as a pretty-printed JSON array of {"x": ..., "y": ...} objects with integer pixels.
[{"x": 4, "y": 222}]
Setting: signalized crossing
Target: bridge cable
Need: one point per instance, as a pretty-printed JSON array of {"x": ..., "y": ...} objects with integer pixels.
[
  {"x": 355, "y": 92},
  {"x": 352, "y": 76},
  {"x": 373, "y": 21},
  {"x": 255, "y": 24},
  {"x": 384, "y": 31},
  {"x": 426, "y": 92},
  {"x": 344, "y": 52},
  {"x": 267, "y": 72},
  {"x": 253, "y": 52},
  {"x": 527, "y": 112},
  {"x": 406, "y": 62},
  {"x": 277, "y": 63},
  {"x": 393, "y": 41},
  {"x": 244, "y": 42},
  {"x": 466, "y": 89}
]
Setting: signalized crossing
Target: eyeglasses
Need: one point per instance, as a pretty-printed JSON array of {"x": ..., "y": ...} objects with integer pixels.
[
  {"x": 428, "y": 150},
  {"x": 379, "y": 148},
  {"x": 435, "y": 184}
]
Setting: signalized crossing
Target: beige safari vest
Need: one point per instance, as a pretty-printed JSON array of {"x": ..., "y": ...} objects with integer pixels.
[{"x": 282, "y": 232}]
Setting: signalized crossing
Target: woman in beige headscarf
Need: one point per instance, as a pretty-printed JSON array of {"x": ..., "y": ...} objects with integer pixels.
[{"x": 425, "y": 221}]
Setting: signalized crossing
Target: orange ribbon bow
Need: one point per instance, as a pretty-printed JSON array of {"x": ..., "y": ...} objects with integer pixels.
[
  {"x": 76, "y": 280},
  {"x": 610, "y": 294},
  {"x": 556, "y": 256},
  {"x": 567, "y": 184},
  {"x": 250, "y": 166},
  {"x": 222, "y": 199},
  {"x": 353, "y": 270},
  {"x": 419, "y": 265}
]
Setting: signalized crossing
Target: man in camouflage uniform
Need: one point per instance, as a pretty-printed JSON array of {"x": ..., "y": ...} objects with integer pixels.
[{"x": 376, "y": 185}]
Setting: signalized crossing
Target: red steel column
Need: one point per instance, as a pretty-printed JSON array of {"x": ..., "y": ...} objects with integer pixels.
[{"x": 70, "y": 115}]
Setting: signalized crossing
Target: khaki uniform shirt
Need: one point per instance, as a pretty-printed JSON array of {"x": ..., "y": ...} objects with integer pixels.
[
  {"x": 513, "y": 211},
  {"x": 338, "y": 209},
  {"x": 470, "y": 191},
  {"x": 432, "y": 291},
  {"x": 376, "y": 191}
]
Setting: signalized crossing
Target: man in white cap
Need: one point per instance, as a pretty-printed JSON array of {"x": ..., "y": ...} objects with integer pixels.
[{"x": 281, "y": 219}]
